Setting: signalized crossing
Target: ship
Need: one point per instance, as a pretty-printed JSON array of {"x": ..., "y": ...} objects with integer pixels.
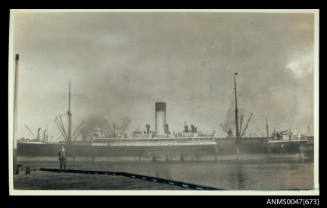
[{"x": 160, "y": 143}]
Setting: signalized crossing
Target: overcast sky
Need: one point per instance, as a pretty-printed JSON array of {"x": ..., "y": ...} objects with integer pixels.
[{"x": 121, "y": 63}]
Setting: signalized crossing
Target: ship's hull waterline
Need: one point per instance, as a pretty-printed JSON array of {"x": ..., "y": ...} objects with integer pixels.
[{"x": 165, "y": 150}]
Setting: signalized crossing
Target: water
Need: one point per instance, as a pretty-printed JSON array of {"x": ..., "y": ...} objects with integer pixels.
[{"x": 255, "y": 174}]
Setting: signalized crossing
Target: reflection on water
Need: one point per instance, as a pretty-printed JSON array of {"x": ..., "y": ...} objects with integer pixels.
[
  {"x": 254, "y": 174},
  {"x": 240, "y": 176}
]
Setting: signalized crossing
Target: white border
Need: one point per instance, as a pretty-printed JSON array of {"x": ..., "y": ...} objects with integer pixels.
[
  {"x": 11, "y": 72},
  {"x": 172, "y": 192},
  {"x": 170, "y": 10},
  {"x": 316, "y": 101}
]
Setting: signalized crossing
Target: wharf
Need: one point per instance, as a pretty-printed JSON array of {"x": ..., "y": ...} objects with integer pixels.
[{"x": 41, "y": 180}]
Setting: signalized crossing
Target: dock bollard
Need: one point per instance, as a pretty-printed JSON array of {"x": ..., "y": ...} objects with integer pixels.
[
  {"x": 17, "y": 168},
  {"x": 28, "y": 171}
]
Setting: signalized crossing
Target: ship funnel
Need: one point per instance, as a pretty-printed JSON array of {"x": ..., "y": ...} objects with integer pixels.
[{"x": 160, "y": 118}]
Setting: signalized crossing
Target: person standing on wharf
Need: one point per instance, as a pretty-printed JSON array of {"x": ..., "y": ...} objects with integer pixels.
[{"x": 62, "y": 158}]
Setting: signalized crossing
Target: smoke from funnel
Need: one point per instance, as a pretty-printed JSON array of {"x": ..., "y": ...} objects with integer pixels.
[{"x": 92, "y": 123}]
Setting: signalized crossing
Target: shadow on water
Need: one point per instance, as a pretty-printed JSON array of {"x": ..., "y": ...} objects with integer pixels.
[
  {"x": 240, "y": 175},
  {"x": 237, "y": 178}
]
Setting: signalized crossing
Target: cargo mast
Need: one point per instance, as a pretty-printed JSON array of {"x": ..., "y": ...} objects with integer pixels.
[
  {"x": 69, "y": 136},
  {"x": 15, "y": 100},
  {"x": 267, "y": 128},
  {"x": 15, "y": 113},
  {"x": 236, "y": 112}
]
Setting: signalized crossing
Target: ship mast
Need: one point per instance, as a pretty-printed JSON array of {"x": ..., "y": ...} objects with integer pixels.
[
  {"x": 15, "y": 113},
  {"x": 69, "y": 136},
  {"x": 267, "y": 128},
  {"x": 15, "y": 100},
  {"x": 236, "y": 112}
]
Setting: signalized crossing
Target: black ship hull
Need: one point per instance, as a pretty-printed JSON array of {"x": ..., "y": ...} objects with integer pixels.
[{"x": 190, "y": 150}]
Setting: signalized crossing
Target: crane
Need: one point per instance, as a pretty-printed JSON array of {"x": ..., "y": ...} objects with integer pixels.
[
  {"x": 60, "y": 128},
  {"x": 246, "y": 126},
  {"x": 267, "y": 128},
  {"x": 241, "y": 122},
  {"x": 308, "y": 131},
  {"x": 224, "y": 128},
  {"x": 124, "y": 127},
  {"x": 110, "y": 130},
  {"x": 28, "y": 128},
  {"x": 76, "y": 132}
]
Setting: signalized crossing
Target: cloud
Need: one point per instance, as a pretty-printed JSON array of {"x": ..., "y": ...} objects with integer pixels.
[
  {"x": 121, "y": 63},
  {"x": 301, "y": 66}
]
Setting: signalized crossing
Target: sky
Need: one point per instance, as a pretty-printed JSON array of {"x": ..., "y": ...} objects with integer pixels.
[{"x": 121, "y": 63}]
